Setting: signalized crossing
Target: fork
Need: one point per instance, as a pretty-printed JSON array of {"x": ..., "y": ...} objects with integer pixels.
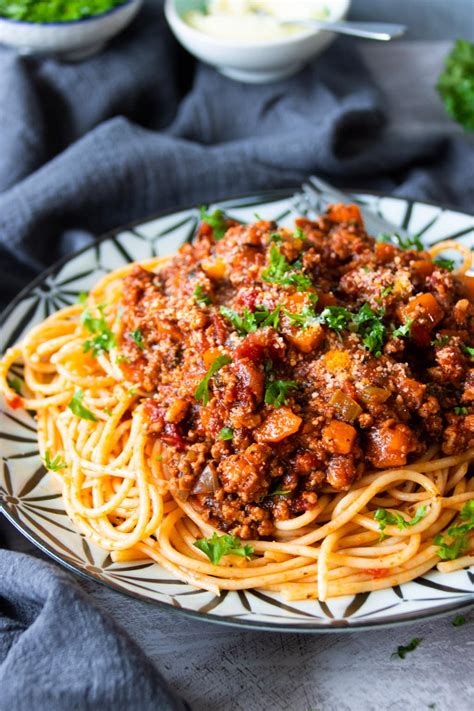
[{"x": 317, "y": 194}]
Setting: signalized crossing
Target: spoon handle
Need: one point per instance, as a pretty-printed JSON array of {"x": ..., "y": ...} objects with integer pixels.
[{"x": 368, "y": 30}]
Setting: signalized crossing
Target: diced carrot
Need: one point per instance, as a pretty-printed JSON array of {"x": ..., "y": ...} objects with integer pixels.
[
  {"x": 424, "y": 267},
  {"x": 214, "y": 270},
  {"x": 296, "y": 300},
  {"x": 278, "y": 424},
  {"x": 389, "y": 446},
  {"x": 307, "y": 340},
  {"x": 384, "y": 252},
  {"x": 425, "y": 312},
  {"x": 169, "y": 329},
  {"x": 339, "y": 437},
  {"x": 210, "y": 355},
  {"x": 344, "y": 213},
  {"x": 336, "y": 360},
  {"x": 469, "y": 286}
]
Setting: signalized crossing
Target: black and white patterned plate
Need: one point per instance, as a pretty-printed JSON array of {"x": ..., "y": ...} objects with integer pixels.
[{"x": 31, "y": 499}]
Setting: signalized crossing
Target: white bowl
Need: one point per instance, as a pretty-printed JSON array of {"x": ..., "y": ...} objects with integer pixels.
[
  {"x": 69, "y": 40},
  {"x": 251, "y": 62}
]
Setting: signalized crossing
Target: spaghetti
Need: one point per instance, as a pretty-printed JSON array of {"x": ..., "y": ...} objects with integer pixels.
[{"x": 117, "y": 431}]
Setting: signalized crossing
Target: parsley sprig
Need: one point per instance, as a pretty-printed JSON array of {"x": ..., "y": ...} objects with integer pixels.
[
  {"x": 454, "y": 542},
  {"x": 15, "y": 384},
  {"x": 250, "y": 321},
  {"x": 444, "y": 263},
  {"x": 217, "y": 220},
  {"x": 200, "y": 296},
  {"x": 402, "y": 242},
  {"x": 55, "y": 464},
  {"x": 226, "y": 433},
  {"x": 456, "y": 83},
  {"x": 276, "y": 391},
  {"x": 104, "y": 340},
  {"x": 306, "y": 318},
  {"x": 371, "y": 328},
  {"x": 137, "y": 337},
  {"x": 468, "y": 351},
  {"x": 337, "y": 318},
  {"x": 202, "y": 391},
  {"x": 280, "y": 271},
  {"x": 386, "y": 518},
  {"x": 77, "y": 408},
  {"x": 218, "y": 546},
  {"x": 402, "y": 650},
  {"x": 404, "y": 330}
]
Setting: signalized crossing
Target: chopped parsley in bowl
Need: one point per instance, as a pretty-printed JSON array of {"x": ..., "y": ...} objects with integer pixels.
[{"x": 52, "y": 11}]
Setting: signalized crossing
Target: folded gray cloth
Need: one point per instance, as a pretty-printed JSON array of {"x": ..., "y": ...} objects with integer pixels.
[
  {"x": 85, "y": 147},
  {"x": 58, "y": 651}
]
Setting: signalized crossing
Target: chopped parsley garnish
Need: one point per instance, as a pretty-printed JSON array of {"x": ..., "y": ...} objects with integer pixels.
[
  {"x": 386, "y": 518},
  {"x": 55, "y": 464},
  {"x": 459, "y": 621},
  {"x": 456, "y": 83},
  {"x": 83, "y": 296},
  {"x": 122, "y": 359},
  {"x": 459, "y": 410},
  {"x": 305, "y": 318},
  {"x": 200, "y": 296},
  {"x": 402, "y": 650},
  {"x": 226, "y": 433},
  {"x": 404, "y": 330},
  {"x": 299, "y": 234},
  {"x": 441, "y": 341},
  {"x": 217, "y": 220},
  {"x": 276, "y": 237},
  {"x": 104, "y": 340},
  {"x": 137, "y": 336},
  {"x": 78, "y": 409},
  {"x": 335, "y": 317},
  {"x": 202, "y": 391},
  {"x": 218, "y": 546},
  {"x": 386, "y": 291},
  {"x": 371, "y": 328},
  {"x": 454, "y": 542},
  {"x": 15, "y": 384},
  {"x": 250, "y": 321},
  {"x": 280, "y": 271},
  {"x": 276, "y": 491},
  {"x": 444, "y": 263},
  {"x": 276, "y": 391},
  {"x": 468, "y": 351},
  {"x": 402, "y": 242}
]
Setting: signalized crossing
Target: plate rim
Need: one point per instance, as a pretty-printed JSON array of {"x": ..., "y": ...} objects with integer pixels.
[{"x": 224, "y": 620}]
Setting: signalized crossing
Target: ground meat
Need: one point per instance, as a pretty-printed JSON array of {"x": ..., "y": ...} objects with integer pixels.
[{"x": 264, "y": 403}]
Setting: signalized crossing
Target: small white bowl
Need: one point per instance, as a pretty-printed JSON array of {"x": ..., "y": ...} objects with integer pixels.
[
  {"x": 251, "y": 62},
  {"x": 72, "y": 40}
]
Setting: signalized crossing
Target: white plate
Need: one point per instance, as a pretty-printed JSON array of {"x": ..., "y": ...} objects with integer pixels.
[{"x": 31, "y": 500}]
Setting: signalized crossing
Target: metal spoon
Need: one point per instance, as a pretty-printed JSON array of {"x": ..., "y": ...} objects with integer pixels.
[{"x": 368, "y": 30}]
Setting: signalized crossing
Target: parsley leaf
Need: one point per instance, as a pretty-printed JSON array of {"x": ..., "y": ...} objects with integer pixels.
[
  {"x": 83, "y": 296},
  {"x": 55, "y": 464},
  {"x": 335, "y": 317},
  {"x": 202, "y": 391},
  {"x": 458, "y": 410},
  {"x": 454, "y": 543},
  {"x": 218, "y": 546},
  {"x": 404, "y": 330},
  {"x": 299, "y": 234},
  {"x": 444, "y": 263},
  {"x": 458, "y": 621},
  {"x": 371, "y": 328},
  {"x": 226, "y": 433},
  {"x": 250, "y": 321},
  {"x": 305, "y": 318},
  {"x": 15, "y": 384},
  {"x": 276, "y": 491},
  {"x": 386, "y": 518},
  {"x": 276, "y": 237},
  {"x": 468, "y": 351},
  {"x": 281, "y": 272},
  {"x": 456, "y": 83},
  {"x": 402, "y": 650},
  {"x": 441, "y": 341},
  {"x": 276, "y": 391},
  {"x": 402, "y": 242},
  {"x": 78, "y": 409},
  {"x": 104, "y": 340},
  {"x": 386, "y": 291},
  {"x": 137, "y": 336},
  {"x": 200, "y": 296},
  {"x": 217, "y": 220}
]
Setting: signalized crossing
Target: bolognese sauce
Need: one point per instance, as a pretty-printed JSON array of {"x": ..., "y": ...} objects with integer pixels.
[{"x": 282, "y": 363}]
